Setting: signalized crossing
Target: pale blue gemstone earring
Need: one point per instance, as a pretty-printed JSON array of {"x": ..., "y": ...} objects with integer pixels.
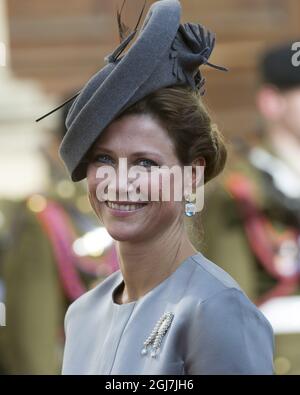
[{"x": 190, "y": 208}]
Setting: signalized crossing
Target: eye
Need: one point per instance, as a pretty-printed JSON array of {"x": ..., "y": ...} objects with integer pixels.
[
  {"x": 146, "y": 163},
  {"x": 103, "y": 158}
]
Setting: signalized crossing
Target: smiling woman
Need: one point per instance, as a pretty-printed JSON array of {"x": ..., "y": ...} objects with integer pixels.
[{"x": 168, "y": 310}]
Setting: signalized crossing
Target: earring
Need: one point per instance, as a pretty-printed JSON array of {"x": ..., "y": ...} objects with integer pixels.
[{"x": 190, "y": 208}]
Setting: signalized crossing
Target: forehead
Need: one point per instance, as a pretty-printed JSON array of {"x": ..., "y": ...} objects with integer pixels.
[{"x": 135, "y": 130}]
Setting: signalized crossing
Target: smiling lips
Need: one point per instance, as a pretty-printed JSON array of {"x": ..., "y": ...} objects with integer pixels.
[{"x": 125, "y": 206}]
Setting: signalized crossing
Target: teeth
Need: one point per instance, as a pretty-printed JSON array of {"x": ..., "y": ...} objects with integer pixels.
[{"x": 125, "y": 207}]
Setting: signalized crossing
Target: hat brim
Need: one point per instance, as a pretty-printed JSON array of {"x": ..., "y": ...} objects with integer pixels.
[{"x": 116, "y": 85}]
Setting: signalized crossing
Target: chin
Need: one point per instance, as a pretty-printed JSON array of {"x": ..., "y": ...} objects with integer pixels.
[
  {"x": 126, "y": 226},
  {"x": 119, "y": 234}
]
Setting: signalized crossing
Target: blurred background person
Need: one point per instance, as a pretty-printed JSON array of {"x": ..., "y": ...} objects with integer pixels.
[
  {"x": 53, "y": 251},
  {"x": 255, "y": 209}
]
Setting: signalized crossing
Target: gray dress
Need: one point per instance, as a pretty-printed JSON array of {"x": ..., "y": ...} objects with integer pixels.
[{"x": 215, "y": 329}]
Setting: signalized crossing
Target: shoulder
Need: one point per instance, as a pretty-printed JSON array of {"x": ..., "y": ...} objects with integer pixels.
[
  {"x": 216, "y": 289},
  {"x": 208, "y": 279},
  {"x": 226, "y": 328},
  {"x": 94, "y": 298}
]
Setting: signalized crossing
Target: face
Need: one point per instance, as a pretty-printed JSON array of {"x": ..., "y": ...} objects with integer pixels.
[
  {"x": 281, "y": 109},
  {"x": 144, "y": 143}
]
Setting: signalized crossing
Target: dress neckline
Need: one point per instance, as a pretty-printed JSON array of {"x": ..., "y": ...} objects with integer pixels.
[{"x": 120, "y": 283}]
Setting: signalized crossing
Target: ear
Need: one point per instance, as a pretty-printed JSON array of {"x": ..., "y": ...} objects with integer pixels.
[
  {"x": 271, "y": 103},
  {"x": 194, "y": 183},
  {"x": 194, "y": 175},
  {"x": 198, "y": 167}
]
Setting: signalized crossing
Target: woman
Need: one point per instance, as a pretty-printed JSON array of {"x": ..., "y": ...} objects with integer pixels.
[{"x": 168, "y": 310}]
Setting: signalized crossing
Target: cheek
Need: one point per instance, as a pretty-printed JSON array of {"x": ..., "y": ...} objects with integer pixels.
[
  {"x": 92, "y": 184},
  {"x": 296, "y": 113},
  {"x": 293, "y": 112},
  {"x": 97, "y": 183},
  {"x": 170, "y": 189},
  {"x": 91, "y": 181},
  {"x": 169, "y": 205}
]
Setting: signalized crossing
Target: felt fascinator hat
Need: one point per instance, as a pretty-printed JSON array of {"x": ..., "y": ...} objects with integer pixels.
[{"x": 164, "y": 53}]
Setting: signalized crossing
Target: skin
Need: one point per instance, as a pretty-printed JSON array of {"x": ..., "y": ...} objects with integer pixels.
[
  {"x": 151, "y": 242},
  {"x": 281, "y": 113}
]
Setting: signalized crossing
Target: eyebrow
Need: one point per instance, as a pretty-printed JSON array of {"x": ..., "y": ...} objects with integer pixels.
[{"x": 134, "y": 154}]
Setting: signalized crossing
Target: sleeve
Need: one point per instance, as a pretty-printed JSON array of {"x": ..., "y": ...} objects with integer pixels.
[{"x": 229, "y": 335}]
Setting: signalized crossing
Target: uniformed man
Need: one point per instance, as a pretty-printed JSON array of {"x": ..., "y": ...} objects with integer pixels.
[{"x": 251, "y": 218}]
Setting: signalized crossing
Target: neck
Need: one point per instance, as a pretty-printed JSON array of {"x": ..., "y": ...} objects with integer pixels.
[
  {"x": 287, "y": 146},
  {"x": 146, "y": 264}
]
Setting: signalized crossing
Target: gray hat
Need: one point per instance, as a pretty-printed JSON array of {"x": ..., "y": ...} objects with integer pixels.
[{"x": 165, "y": 53}]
